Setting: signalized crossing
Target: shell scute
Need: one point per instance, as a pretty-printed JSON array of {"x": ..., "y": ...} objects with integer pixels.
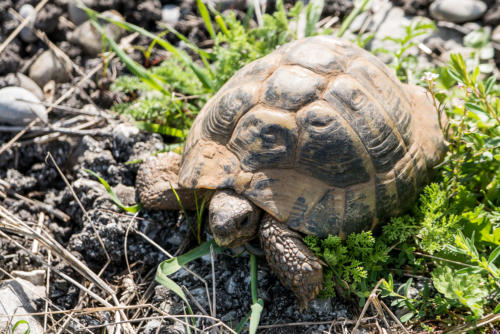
[
  {"x": 316, "y": 57},
  {"x": 265, "y": 138},
  {"x": 329, "y": 149},
  {"x": 229, "y": 107},
  {"x": 368, "y": 119},
  {"x": 291, "y": 87}
]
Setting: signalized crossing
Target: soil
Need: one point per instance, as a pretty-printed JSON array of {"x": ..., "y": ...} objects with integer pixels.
[{"x": 93, "y": 221}]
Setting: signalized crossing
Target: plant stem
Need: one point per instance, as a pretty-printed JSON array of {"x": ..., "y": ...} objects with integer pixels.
[
  {"x": 350, "y": 18},
  {"x": 253, "y": 276}
]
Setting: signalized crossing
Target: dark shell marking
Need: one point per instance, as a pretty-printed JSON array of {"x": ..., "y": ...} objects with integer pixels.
[{"x": 323, "y": 134}]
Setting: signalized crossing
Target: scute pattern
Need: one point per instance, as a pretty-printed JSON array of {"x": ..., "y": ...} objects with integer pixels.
[
  {"x": 264, "y": 138},
  {"x": 227, "y": 109},
  {"x": 291, "y": 87},
  {"x": 319, "y": 134},
  {"x": 329, "y": 148}
]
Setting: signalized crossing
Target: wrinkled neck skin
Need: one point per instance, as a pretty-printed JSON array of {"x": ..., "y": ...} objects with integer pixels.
[{"x": 233, "y": 219}]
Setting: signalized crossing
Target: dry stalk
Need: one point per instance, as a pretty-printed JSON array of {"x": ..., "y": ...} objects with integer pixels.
[{"x": 20, "y": 27}]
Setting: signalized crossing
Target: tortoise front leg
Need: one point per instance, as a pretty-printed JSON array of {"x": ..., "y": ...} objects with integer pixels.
[{"x": 291, "y": 260}]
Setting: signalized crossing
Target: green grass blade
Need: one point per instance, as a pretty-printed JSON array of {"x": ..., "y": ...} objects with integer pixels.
[
  {"x": 313, "y": 14},
  {"x": 258, "y": 304},
  {"x": 222, "y": 25},
  {"x": 255, "y": 316},
  {"x": 112, "y": 195},
  {"x": 204, "y": 79},
  {"x": 170, "y": 266},
  {"x": 205, "y": 15},
  {"x": 136, "y": 69},
  {"x": 189, "y": 44},
  {"x": 162, "y": 129},
  {"x": 242, "y": 323},
  {"x": 21, "y": 322},
  {"x": 350, "y": 18},
  {"x": 253, "y": 276}
]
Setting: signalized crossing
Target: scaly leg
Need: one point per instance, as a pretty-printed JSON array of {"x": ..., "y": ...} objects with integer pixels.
[{"x": 289, "y": 258}]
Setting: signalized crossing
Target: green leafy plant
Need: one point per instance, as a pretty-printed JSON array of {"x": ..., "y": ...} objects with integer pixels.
[
  {"x": 403, "y": 61},
  {"x": 353, "y": 264}
]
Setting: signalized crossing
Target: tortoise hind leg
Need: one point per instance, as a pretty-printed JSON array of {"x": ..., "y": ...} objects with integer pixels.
[{"x": 289, "y": 258}]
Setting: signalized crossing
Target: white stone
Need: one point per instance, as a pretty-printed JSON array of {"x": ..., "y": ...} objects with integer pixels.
[
  {"x": 17, "y": 297},
  {"x": 27, "y": 34},
  {"x": 87, "y": 36},
  {"x": 36, "y": 277},
  {"x": 124, "y": 133},
  {"x": 20, "y": 80},
  {"x": 17, "y": 112},
  {"x": 495, "y": 35},
  {"x": 48, "y": 67},
  {"x": 170, "y": 14},
  {"x": 457, "y": 10}
]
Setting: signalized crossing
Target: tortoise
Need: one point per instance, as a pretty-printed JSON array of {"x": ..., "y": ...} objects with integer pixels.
[{"x": 319, "y": 137}]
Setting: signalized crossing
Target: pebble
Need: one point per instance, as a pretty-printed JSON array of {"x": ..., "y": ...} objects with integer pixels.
[
  {"x": 492, "y": 16},
  {"x": 27, "y": 34},
  {"x": 48, "y": 67},
  {"x": 36, "y": 277},
  {"x": 76, "y": 14},
  {"x": 170, "y": 14},
  {"x": 457, "y": 11},
  {"x": 495, "y": 35},
  {"x": 125, "y": 133},
  {"x": 18, "y": 296},
  {"x": 20, "y": 80},
  {"x": 87, "y": 36},
  {"x": 231, "y": 285},
  {"x": 125, "y": 194},
  {"x": 18, "y": 112}
]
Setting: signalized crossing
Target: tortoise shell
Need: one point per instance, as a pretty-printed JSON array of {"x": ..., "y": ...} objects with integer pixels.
[{"x": 320, "y": 134}]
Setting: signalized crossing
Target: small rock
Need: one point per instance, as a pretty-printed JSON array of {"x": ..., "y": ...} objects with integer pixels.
[
  {"x": 76, "y": 14},
  {"x": 48, "y": 18},
  {"x": 48, "y": 67},
  {"x": 200, "y": 295},
  {"x": 170, "y": 14},
  {"x": 125, "y": 133},
  {"x": 495, "y": 35},
  {"x": 36, "y": 277},
  {"x": 17, "y": 112},
  {"x": 125, "y": 194},
  {"x": 20, "y": 80},
  {"x": 87, "y": 36},
  {"x": 457, "y": 10},
  {"x": 17, "y": 296},
  {"x": 492, "y": 16},
  {"x": 152, "y": 326},
  {"x": 231, "y": 285},
  {"x": 28, "y": 12},
  {"x": 320, "y": 306}
]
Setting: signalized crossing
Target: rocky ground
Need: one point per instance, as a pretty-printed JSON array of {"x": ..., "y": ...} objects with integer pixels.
[{"x": 56, "y": 63}]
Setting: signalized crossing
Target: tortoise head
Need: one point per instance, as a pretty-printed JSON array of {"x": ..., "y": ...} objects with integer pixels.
[{"x": 233, "y": 219}]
